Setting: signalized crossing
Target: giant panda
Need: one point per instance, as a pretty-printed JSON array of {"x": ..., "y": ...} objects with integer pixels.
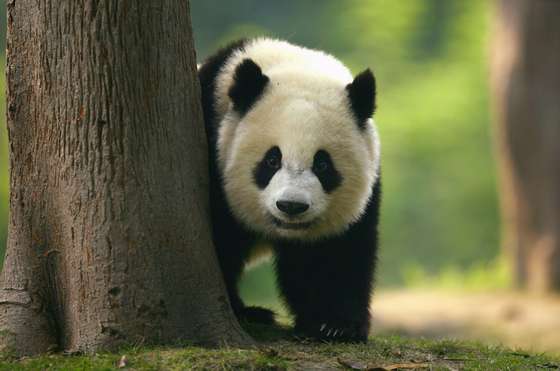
[{"x": 294, "y": 162}]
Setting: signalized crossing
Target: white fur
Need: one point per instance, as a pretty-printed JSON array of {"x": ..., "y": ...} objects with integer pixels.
[
  {"x": 295, "y": 184},
  {"x": 304, "y": 108}
]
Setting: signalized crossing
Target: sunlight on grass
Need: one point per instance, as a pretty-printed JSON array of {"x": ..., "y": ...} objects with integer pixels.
[{"x": 480, "y": 276}]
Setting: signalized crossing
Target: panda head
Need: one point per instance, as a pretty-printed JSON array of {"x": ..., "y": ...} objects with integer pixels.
[{"x": 299, "y": 151}]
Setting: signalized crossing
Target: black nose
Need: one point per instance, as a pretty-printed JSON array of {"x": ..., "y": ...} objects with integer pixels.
[{"x": 291, "y": 207}]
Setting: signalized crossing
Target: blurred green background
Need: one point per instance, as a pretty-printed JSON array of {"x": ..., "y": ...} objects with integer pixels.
[{"x": 439, "y": 214}]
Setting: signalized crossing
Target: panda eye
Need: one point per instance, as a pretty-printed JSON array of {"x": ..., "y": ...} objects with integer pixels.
[
  {"x": 321, "y": 166},
  {"x": 273, "y": 162}
]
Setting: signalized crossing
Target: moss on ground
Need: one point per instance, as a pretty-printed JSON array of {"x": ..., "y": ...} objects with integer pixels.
[{"x": 277, "y": 352}]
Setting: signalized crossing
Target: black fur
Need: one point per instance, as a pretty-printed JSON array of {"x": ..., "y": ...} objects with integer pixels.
[
  {"x": 231, "y": 240},
  {"x": 329, "y": 282},
  {"x": 326, "y": 284},
  {"x": 248, "y": 85},
  {"x": 257, "y": 315},
  {"x": 207, "y": 77},
  {"x": 269, "y": 165},
  {"x": 361, "y": 92},
  {"x": 324, "y": 169}
]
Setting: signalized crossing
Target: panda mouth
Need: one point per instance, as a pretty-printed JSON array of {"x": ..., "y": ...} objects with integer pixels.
[{"x": 291, "y": 225}]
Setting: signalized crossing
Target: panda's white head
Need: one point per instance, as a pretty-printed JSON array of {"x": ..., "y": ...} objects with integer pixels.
[{"x": 298, "y": 150}]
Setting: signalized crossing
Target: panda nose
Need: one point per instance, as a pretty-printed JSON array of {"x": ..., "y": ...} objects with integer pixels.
[{"x": 292, "y": 208}]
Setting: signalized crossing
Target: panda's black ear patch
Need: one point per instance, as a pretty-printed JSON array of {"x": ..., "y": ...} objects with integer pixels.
[
  {"x": 248, "y": 85},
  {"x": 361, "y": 92}
]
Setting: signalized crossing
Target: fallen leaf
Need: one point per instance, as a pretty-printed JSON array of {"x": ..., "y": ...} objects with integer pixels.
[
  {"x": 406, "y": 366},
  {"x": 357, "y": 365},
  {"x": 123, "y": 362},
  {"x": 269, "y": 352},
  {"x": 353, "y": 365}
]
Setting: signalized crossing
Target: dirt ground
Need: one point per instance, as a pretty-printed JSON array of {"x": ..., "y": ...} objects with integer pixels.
[{"x": 513, "y": 319}]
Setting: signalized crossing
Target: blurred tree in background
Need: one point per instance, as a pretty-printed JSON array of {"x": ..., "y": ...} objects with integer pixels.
[
  {"x": 526, "y": 86},
  {"x": 430, "y": 59}
]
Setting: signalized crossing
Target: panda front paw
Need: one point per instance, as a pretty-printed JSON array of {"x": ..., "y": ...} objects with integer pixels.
[
  {"x": 334, "y": 331},
  {"x": 257, "y": 315}
]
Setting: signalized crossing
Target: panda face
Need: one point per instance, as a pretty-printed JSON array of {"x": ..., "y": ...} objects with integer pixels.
[
  {"x": 295, "y": 167},
  {"x": 295, "y": 194}
]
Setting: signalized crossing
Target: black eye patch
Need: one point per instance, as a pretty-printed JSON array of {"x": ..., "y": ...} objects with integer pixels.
[
  {"x": 267, "y": 167},
  {"x": 323, "y": 168}
]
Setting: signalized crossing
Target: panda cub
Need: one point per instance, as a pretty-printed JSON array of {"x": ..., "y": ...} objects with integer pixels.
[{"x": 294, "y": 162}]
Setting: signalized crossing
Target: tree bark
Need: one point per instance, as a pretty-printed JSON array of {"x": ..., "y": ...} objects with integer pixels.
[
  {"x": 109, "y": 238},
  {"x": 526, "y": 89}
]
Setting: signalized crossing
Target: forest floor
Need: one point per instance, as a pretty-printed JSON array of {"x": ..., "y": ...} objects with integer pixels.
[
  {"x": 411, "y": 331},
  {"x": 514, "y": 319},
  {"x": 380, "y": 354}
]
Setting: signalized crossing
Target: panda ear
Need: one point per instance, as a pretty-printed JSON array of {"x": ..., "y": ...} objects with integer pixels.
[
  {"x": 361, "y": 93},
  {"x": 248, "y": 85}
]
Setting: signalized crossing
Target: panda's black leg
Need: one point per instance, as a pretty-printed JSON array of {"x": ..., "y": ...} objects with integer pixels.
[
  {"x": 231, "y": 257},
  {"x": 231, "y": 272},
  {"x": 244, "y": 313},
  {"x": 327, "y": 285},
  {"x": 232, "y": 250},
  {"x": 327, "y": 288},
  {"x": 259, "y": 315}
]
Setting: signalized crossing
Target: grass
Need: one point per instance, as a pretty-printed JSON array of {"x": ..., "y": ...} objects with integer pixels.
[
  {"x": 278, "y": 352},
  {"x": 480, "y": 276}
]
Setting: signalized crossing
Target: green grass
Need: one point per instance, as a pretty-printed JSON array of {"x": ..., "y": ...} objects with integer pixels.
[
  {"x": 480, "y": 276},
  {"x": 282, "y": 353}
]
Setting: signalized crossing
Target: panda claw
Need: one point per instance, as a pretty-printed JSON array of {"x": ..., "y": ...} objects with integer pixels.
[
  {"x": 335, "y": 332},
  {"x": 329, "y": 333},
  {"x": 323, "y": 327}
]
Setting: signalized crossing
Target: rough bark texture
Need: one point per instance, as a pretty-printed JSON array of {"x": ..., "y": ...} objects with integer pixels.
[
  {"x": 109, "y": 237},
  {"x": 526, "y": 88}
]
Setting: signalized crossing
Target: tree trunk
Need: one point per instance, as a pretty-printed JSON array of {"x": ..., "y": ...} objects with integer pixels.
[
  {"x": 526, "y": 88},
  {"x": 109, "y": 239}
]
